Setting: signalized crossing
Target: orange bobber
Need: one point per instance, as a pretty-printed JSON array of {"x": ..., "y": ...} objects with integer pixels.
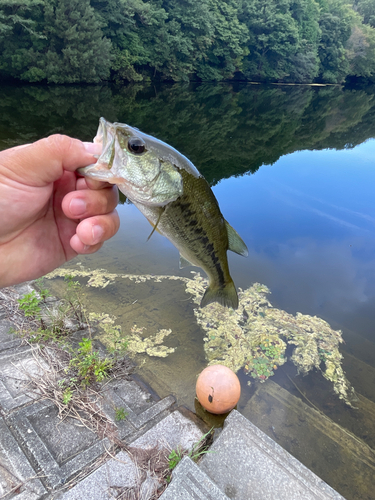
[{"x": 218, "y": 389}]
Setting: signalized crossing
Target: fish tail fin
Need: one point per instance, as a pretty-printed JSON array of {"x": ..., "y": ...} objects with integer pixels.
[{"x": 226, "y": 296}]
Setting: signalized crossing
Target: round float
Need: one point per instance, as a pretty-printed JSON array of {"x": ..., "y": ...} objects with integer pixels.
[{"x": 218, "y": 389}]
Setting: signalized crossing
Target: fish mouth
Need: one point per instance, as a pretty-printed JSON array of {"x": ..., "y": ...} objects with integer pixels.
[
  {"x": 101, "y": 134},
  {"x": 94, "y": 171}
]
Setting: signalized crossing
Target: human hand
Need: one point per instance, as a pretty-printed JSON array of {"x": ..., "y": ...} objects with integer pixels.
[{"x": 48, "y": 215}]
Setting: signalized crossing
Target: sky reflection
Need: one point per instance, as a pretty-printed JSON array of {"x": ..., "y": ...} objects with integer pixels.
[{"x": 309, "y": 223}]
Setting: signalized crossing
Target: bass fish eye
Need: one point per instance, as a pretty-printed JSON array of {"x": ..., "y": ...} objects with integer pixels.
[{"x": 136, "y": 145}]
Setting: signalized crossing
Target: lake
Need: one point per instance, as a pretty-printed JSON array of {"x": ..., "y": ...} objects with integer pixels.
[{"x": 293, "y": 169}]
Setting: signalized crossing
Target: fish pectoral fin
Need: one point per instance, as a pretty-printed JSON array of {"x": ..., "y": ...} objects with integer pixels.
[
  {"x": 226, "y": 296},
  {"x": 235, "y": 242},
  {"x": 184, "y": 262},
  {"x": 157, "y": 222}
]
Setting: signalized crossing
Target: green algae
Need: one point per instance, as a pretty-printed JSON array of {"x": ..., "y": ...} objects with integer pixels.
[
  {"x": 253, "y": 338},
  {"x": 135, "y": 342},
  {"x": 151, "y": 345}
]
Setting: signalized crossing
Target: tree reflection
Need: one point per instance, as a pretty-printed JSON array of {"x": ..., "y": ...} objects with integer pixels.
[{"x": 225, "y": 129}]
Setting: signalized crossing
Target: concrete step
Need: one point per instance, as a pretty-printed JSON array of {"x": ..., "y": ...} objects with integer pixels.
[
  {"x": 337, "y": 456},
  {"x": 125, "y": 472},
  {"x": 361, "y": 375},
  {"x": 317, "y": 392},
  {"x": 247, "y": 465},
  {"x": 191, "y": 483},
  {"x": 357, "y": 345}
]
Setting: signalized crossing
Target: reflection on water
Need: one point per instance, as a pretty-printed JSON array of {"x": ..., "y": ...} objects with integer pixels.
[
  {"x": 225, "y": 130},
  {"x": 307, "y": 219}
]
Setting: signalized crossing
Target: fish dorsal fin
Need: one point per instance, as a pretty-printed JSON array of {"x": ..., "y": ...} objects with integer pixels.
[
  {"x": 235, "y": 242},
  {"x": 184, "y": 262}
]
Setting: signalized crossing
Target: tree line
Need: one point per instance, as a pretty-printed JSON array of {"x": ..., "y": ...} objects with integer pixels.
[{"x": 89, "y": 41}]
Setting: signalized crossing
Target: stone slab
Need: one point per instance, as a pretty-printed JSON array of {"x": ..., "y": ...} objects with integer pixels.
[
  {"x": 337, "y": 456},
  {"x": 59, "y": 449},
  {"x": 191, "y": 483},
  {"x": 247, "y": 464},
  {"x": 15, "y": 364},
  {"x": 137, "y": 403},
  {"x": 173, "y": 431},
  {"x": 7, "y": 340},
  {"x": 104, "y": 483},
  {"x": 119, "y": 472},
  {"x": 18, "y": 480},
  {"x": 135, "y": 424}
]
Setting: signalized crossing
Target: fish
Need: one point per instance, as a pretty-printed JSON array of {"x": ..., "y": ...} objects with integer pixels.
[{"x": 176, "y": 199}]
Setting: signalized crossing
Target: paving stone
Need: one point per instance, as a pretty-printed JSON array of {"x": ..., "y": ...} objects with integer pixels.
[
  {"x": 7, "y": 340},
  {"x": 17, "y": 478},
  {"x": 135, "y": 396},
  {"x": 190, "y": 483},
  {"x": 247, "y": 464},
  {"x": 23, "y": 288},
  {"x": 14, "y": 366},
  {"x": 137, "y": 403},
  {"x": 173, "y": 431},
  {"x": 104, "y": 483},
  {"x": 59, "y": 449}
]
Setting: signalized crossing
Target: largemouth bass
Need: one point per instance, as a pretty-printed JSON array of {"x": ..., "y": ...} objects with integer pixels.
[{"x": 176, "y": 199}]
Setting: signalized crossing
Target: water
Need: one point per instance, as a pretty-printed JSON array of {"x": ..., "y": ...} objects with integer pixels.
[{"x": 293, "y": 170}]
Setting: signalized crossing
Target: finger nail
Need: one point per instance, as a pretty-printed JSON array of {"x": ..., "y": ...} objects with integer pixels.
[
  {"x": 97, "y": 233},
  {"x": 77, "y": 206}
]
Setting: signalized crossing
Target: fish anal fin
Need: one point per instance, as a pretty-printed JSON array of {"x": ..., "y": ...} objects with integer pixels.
[
  {"x": 235, "y": 242},
  {"x": 226, "y": 296},
  {"x": 184, "y": 262}
]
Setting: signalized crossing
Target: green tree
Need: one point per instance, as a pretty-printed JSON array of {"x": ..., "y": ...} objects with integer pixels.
[
  {"x": 229, "y": 37},
  {"x": 304, "y": 63},
  {"x": 274, "y": 38},
  {"x": 15, "y": 15},
  {"x": 122, "y": 22},
  {"x": 361, "y": 51},
  {"x": 20, "y": 29},
  {"x": 59, "y": 41},
  {"x": 77, "y": 51},
  {"x": 336, "y": 21},
  {"x": 184, "y": 38},
  {"x": 366, "y": 8}
]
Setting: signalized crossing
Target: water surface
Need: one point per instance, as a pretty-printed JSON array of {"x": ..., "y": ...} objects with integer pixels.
[{"x": 293, "y": 170}]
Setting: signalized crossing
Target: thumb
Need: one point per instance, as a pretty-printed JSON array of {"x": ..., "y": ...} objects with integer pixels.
[{"x": 44, "y": 161}]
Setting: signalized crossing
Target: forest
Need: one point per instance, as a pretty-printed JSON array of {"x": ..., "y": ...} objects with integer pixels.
[{"x": 91, "y": 41}]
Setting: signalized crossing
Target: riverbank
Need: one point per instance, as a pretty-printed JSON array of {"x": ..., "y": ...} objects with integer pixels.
[
  {"x": 47, "y": 446},
  {"x": 48, "y": 451}
]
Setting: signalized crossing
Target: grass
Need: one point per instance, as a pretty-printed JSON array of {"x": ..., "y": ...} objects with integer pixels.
[
  {"x": 198, "y": 450},
  {"x": 69, "y": 376},
  {"x": 120, "y": 414}
]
